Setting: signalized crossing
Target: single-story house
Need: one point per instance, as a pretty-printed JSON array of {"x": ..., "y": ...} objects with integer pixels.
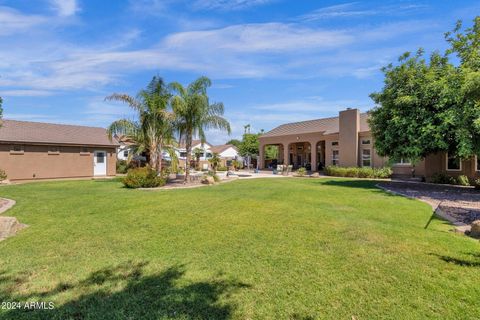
[
  {"x": 226, "y": 152},
  {"x": 35, "y": 150},
  {"x": 346, "y": 141}
]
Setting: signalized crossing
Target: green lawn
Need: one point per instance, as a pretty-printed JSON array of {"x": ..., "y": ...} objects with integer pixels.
[{"x": 256, "y": 249}]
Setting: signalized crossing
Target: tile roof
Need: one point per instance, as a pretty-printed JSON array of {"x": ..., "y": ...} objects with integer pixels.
[
  {"x": 325, "y": 125},
  {"x": 222, "y": 147},
  {"x": 49, "y": 133}
]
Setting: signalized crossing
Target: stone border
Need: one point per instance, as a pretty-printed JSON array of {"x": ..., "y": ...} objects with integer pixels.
[{"x": 459, "y": 226}]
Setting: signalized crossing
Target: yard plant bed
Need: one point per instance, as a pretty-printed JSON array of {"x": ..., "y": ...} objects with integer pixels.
[{"x": 249, "y": 249}]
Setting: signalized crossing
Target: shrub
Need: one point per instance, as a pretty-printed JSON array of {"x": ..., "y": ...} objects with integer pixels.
[
  {"x": 144, "y": 177},
  {"x": 357, "y": 172},
  {"x": 122, "y": 166},
  {"x": 463, "y": 180},
  {"x": 3, "y": 175},
  {"x": 301, "y": 171},
  {"x": 442, "y": 178},
  {"x": 222, "y": 168},
  {"x": 237, "y": 164},
  {"x": 476, "y": 183}
]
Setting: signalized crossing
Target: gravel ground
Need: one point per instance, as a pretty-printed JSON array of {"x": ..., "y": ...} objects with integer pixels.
[{"x": 462, "y": 204}]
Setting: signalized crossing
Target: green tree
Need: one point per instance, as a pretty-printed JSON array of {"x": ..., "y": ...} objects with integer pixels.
[
  {"x": 427, "y": 106},
  {"x": 153, "y": 129},
  {"x": 271, "y": 152},
  {"x": 235, "y": 142},
  {"x": 249, "y": 145},
  {"x": 194, "y": 114}
]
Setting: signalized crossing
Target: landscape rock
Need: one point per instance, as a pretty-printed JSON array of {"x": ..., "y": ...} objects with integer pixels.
[
  {"x": 475, "y": 229},
  {"x": 208, "y": 180},
  {"x": 9, "y": 226}
]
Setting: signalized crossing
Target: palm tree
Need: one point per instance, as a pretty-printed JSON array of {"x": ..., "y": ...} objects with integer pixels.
[
  {"x": 194, "y": 114},
  {"x": 154, "y": 127},
  {"x": 215, "y": 161},
  {"x": 197, "y": 152}
]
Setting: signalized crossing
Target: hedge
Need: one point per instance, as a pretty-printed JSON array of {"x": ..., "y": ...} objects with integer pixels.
[{"x": 358, "y": 172}]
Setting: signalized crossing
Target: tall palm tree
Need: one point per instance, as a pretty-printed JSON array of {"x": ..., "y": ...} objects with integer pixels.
[
  {"x": 194, "y": 114},
  {"x": 153, "y": 128}
]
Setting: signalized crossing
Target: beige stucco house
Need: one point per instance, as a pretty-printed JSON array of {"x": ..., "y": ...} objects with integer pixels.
[
  {"x": 346, "y": 141},
  {"x": 35, "y": 150}
]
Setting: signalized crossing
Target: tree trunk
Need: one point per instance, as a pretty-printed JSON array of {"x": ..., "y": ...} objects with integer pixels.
[{"x": 188, "y": 145}]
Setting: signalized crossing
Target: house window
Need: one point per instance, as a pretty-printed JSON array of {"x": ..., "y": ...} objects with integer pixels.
[
  {"x": 125, "y": 153},
  {"x": 366, "y": 158},
  {"x": 53, "y": 150},
  {"x": 183, "y": 154},
  {"x": 453, "y": 163},
  {"x": 365, "y": 141},
  {"x": 209, "y": 155},
  {"x": 477, "y": 163},
  {"x": 334, "y": 143},
  {"x": 402, "y": 161},
  {"x": 17, "y": 149},
  {"x": 335, "y": 157}
]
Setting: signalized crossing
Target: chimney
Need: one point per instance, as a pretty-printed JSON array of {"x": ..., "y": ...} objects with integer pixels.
[{"x": 349, "y": 126}]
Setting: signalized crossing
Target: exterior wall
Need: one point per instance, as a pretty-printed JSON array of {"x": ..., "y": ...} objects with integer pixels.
[
  {"x": 37, "y": 163},
  {"x": 349, "y": 126},
  {"x": 350, "y": 150},
  {"x": 437, "y": 163}
]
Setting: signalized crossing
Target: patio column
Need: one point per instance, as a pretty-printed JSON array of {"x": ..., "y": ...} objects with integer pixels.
[
  {"x": 313, "y": 153},
  {"x": 286, "y": 153}
]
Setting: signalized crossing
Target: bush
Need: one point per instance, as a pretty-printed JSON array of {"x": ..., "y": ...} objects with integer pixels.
[
  {"x": 122, "y": 166},
  {"x": 301, "y": 171},
  {"x": 442, "y": 178},
  {"x": 144, "y": 177},
  {"x": 476, "y": 183},
  {"x": 222, "y": 168},
  {"x": 463, "y": 180},
  {"x": 357, "y": 172},
  {"x": 3, "y": 175}
]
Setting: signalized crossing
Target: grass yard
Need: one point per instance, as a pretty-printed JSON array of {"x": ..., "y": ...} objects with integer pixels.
[{"x": 251, "y": 249}]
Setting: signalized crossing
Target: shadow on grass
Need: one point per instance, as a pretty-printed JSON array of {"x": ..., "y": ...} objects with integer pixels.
[
  {"x": 461, "y": 262},
  {"x": 361, "y": 184},
  {"x": 123, "y": 292}
]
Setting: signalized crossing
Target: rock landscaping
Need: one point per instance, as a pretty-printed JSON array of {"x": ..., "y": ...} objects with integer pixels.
[
  {"x": 457, "y": 204},
  {"x": 9, "y": 226}
]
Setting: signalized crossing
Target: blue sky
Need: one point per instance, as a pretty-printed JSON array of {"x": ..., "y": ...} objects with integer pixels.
[{"x": 271, "y": 61}]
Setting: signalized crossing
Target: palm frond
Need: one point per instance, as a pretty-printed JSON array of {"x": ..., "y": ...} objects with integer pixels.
[{"x": 132, "y": 102}]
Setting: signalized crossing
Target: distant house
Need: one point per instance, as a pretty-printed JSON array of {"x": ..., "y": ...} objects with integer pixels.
[
  {"x": 346, "y": 141},
  {"x": 226, "y": 152},
  {"x": 35, "y": 150}
]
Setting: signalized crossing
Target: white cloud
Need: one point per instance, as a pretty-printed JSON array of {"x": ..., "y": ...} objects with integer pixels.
[
  {"x": 65, "y": 8},
  {"x": 14, "y": 22},
  {"x": 337, "y": 11},
  {"x": 263, "y": 37},
  {"x": 25, "y": 93},
  {"x": 228, "y": 4},
  {"x": 354, "y": 9}
]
